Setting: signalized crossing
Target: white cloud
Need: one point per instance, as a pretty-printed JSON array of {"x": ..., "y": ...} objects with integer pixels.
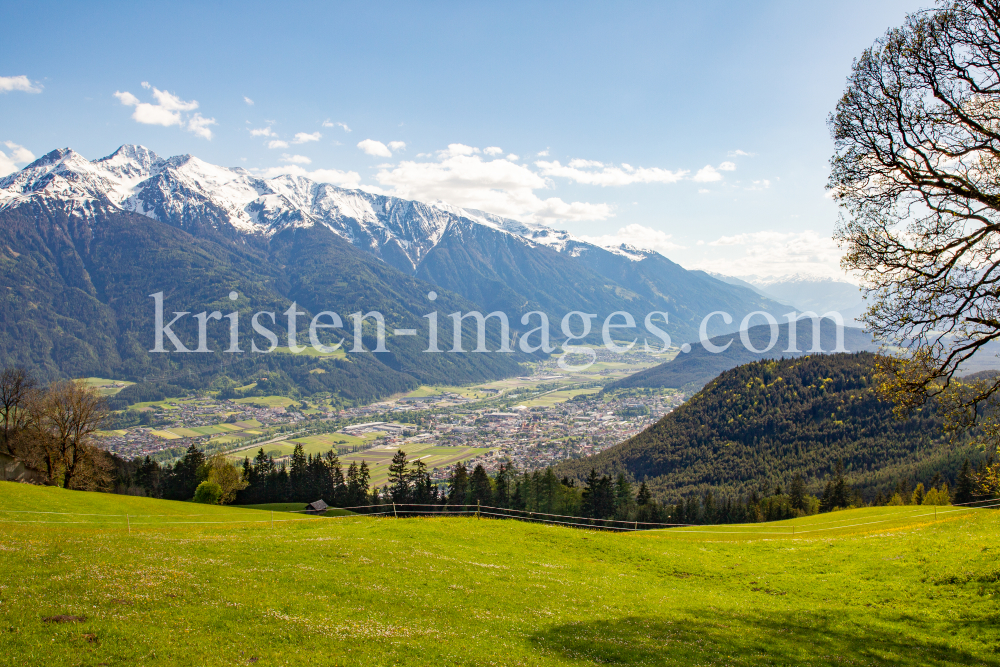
[
  {"x": 707, "y": 174},
  {"x": 460, "y": 176},
  {"x": 277, "y": 143},
  {"x": 248, "y": 100},
  {"x": 303, "y": 137},
  {"x": 327, "y": 123},
  {"x": 458, "y": 149},
  {"x": 397, "y": 145},
  {"x": 20, "y": 83},
  {"x": 544, "y": 153},
  {"x": 579, "y": 171},
  {"x": 493, "y": 150},
  {"x": 167, "y": 111},
  {"x": 344, "y": 179},
  {"x": 513, "y": 158},
  {"x": 171, "y": 102},
  {"x": 768, "y": 253},
  {"x": 376, "y": 148},
  {"x": 295, "y": 159},
  {"x": 19, "y": 155},
  {"x": 739, "y": 153},
  {"x": 198, "y": 125},
  {"x": 727, "y": 166},
  {"x": 262, "y": 132},
  {"x": 638, "y": 236}
]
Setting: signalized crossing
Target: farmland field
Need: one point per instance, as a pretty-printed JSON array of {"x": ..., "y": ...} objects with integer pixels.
[
  {"x": 378, "y": 458},
  {"x": 380, "y": 591},
  {"x": 267, "y": 401},
  {"x": 559, "y": 397}
]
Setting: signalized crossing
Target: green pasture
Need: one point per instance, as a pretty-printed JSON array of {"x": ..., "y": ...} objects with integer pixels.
[
  {"x": 105, "y": 386},
  {"x": 224, "y": 587},
  {"x": 559, "y": 397},
  {"x": 379, "y": 458},
  {"x": 295, "y": 508},
  {"x": 267, "y": 401}
]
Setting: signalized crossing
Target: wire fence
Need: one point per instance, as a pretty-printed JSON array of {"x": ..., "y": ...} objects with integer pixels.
[{"x": 397, "y": 510}]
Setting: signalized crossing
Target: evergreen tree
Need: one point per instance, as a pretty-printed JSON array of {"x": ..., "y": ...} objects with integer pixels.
[
  {"x": 548, "y": 491},
  {"x": 710, "y": 510},
  {"x": 826, "y": 502},
  {"x": 364, "y": 476},
  {"x": 965, "y": 484},
  {"x": 297, "y": 476},
  {"x": 590, "y": 500},
  {"x": 644, "y": 497},
  {"x": 479, "y": 486},
  {"x": 797, "y": 496},
  {"x": 354, "y": 495},
  {"x": 420, "y": 483},
  {"x": 458, "y": 485},
  {"x": 502, "y": 486},
  {"x": 337, "y": 487},
  {"x": 187, "y": 474},
  {"x": 399, "y": 480},
  {"x": 623, "y": 496}
]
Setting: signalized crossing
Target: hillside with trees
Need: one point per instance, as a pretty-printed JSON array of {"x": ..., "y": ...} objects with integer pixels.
[{"x": 757, "y": 426}]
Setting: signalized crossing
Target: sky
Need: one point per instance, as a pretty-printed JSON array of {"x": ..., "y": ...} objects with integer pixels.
[{"x": 695, "y": 129}]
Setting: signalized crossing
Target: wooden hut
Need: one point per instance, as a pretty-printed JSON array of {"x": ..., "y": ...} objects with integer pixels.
[{"x": 317, "y": 507}]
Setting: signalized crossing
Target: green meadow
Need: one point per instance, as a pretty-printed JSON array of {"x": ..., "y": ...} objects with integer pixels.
[{"x": 208, "y": 585}]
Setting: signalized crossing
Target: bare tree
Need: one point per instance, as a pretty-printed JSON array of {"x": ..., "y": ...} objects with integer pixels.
[
  {"x": 63, "y": 420},
  {"x": 917, "y": 175},
  {"x": 15, "y": 386}
]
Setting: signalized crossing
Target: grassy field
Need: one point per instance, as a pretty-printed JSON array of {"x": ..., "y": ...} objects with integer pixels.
[
  {"x": 293, "y": 508},
  {"x": 382, "y": 591},
  {"x": 105, "y": 386},
  {"x": 378, "y": 458},
  {"x": 267, "y": 401},
  {"x": 313, "y": 444},
  {"x": 559, "y": 397}
]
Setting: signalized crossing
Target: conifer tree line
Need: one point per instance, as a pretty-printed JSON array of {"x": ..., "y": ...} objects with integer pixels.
[
  {"x": 411, "y": 491},
  {"x": 52, "y": 429}
]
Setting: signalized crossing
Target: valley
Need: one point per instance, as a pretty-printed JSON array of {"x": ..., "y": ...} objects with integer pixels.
[{"x": 530, "y": 422}]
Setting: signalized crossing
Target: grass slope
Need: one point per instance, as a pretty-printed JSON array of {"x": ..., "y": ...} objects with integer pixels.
[{"x": 379, "y": 591}]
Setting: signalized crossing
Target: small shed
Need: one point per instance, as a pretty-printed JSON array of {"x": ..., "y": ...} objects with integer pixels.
[{"x": 317, "y": 507}]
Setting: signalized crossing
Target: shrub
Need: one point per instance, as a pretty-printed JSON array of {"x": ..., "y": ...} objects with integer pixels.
[{"x": 208, "y": 492}]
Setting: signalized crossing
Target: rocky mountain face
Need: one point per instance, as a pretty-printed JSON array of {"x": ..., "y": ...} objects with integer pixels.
[{"x": 106, "y": 227}]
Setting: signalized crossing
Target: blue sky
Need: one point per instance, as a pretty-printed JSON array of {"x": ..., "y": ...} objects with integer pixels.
[{"x": 698, "y": 129}]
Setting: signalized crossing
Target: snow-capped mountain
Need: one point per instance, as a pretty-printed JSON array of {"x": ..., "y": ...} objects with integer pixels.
[
  {"x": 183, "y": 189},
  {"x": 495, "y": 262}
]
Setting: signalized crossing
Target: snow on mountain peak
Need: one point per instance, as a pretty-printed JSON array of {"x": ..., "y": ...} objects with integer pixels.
[{"x": 184, "y": 188}]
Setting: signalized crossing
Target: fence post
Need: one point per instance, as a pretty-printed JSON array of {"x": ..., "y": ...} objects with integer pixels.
[
  {"x": 394, "y": 509},
  {"x": 477, "y": 509},
  {"x": 637, "y": 525}
]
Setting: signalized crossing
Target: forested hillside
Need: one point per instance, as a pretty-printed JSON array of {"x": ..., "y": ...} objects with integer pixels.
[
  {"x": 756, "y": 426},
  {"x": 76, "y": 302}
]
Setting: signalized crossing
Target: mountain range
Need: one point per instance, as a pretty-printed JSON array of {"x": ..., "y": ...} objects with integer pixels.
[{"x": 86, "y": 243}]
